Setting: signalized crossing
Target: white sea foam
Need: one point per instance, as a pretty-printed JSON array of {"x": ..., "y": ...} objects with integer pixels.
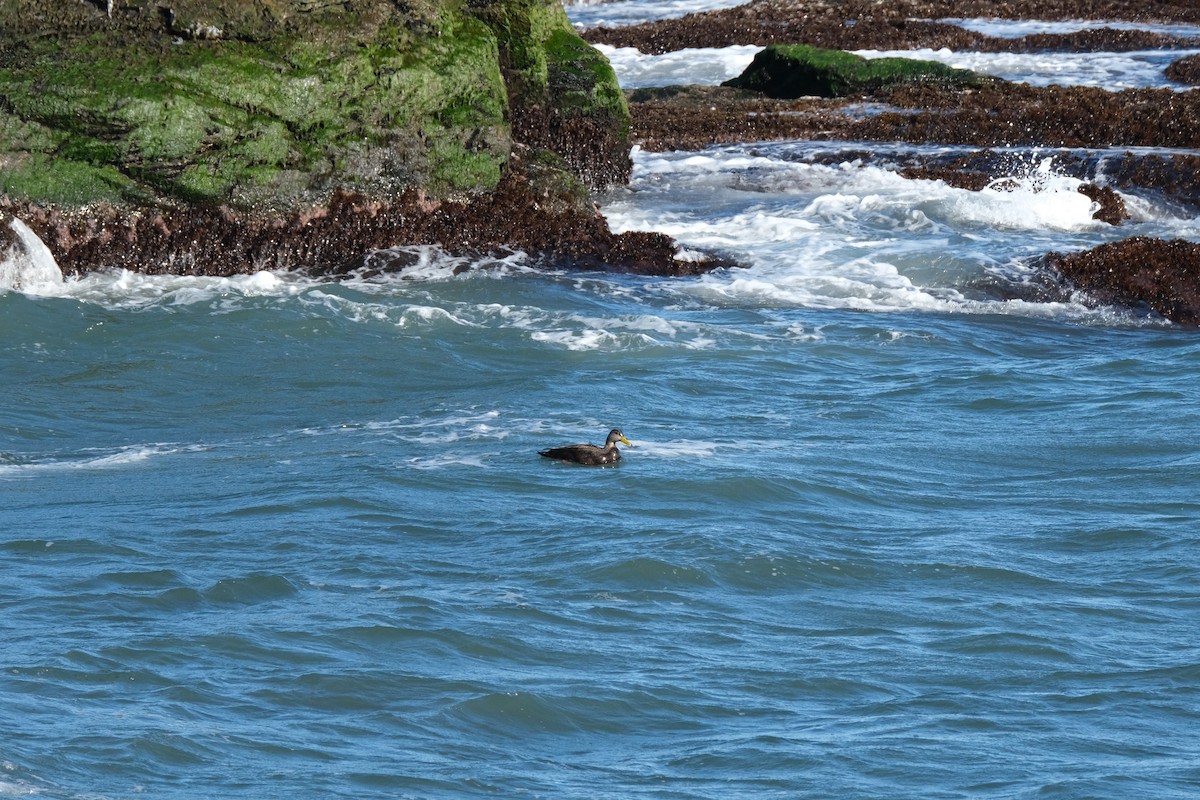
[
  {"x": 598, "y": 13},
  {"x": 125, "y": 289},
  {"x": 850, "y": 235},
  {"x": 390, "y": 311},
  {"x": 588, "y": 339},
  {"x": 455, "y": 426},
  {"x": 444, "y": 461},
  {"x": 1013, "y": 28},
  {"x": 690, "y": 67},
  {"x": 846, "y": 196},
  {"x": 1040, "y": 200},
  {"x": 28, "y": 266},
  {"x": 1113, "y": 71},
  {"x": 580, "y": 332},
  {"x": 427, "y": 263},
  {"x": 17, "y": 467},
  {"x": 676, "y": 448}
]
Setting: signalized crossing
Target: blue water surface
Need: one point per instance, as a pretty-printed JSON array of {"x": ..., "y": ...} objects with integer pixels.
[{"x": 300, "y": 543}]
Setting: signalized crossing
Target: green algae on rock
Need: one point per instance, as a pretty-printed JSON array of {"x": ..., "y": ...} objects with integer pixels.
[
  {"x": 275, "y": 104},
  {"x": 561, "y": 89},
  {"x": 792, "y": 71}
]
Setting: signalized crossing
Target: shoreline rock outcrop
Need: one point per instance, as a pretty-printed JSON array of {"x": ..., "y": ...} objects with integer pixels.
[
  {"x": 338, "y": 237},
  {"x": 208, "y": 121},
  {"x": 207, "y": 136}
]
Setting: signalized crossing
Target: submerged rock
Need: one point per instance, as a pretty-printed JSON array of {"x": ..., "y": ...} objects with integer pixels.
[
  {"x": 1161, "y": 275},
  {"x": 1110, "y": 206},
  {"x": 791, "y": 71}
]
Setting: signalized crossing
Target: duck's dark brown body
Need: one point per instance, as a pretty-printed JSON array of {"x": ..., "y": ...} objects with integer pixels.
[{"x": 589, "y": 454}]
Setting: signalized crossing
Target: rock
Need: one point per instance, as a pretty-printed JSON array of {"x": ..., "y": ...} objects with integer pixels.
[
  {"x": 1162, "y": 275},
  {"x": 791, "y": 71},
  {"x": 1185, "y": 70},
  {"x": 271, "y": 108},
  {"x": 277, "y": 103},
  {"x": 563, "y": 93},
  {"x": 8, "y": 237},
  {"x": 1111, "y": 207}
]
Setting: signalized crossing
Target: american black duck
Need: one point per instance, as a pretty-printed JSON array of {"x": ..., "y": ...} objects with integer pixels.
[{"x": 590, "y": 454}]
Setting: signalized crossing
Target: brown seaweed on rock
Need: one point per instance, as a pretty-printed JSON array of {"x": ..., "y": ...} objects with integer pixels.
[
  {"x": 1185, "y": 70},
  {"x": 902, "y": 25},
  {"x": 336, "y": 238},
  {"x": 995, "y": 115},
  {"x": 1163, "y": 275}
]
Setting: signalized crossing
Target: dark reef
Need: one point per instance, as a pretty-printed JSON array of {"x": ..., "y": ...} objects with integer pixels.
[
  {"x": 337, "y": 237},
  {"x": 211, "y": 137}
]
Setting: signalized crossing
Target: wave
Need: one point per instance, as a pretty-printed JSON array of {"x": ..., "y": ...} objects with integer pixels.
[
  {"x": 29, "y": 266},
  {"x": 708, "y": 66},
  {"x": 827, "y": 234},
  {"x": 14, "y": 465},
  {"x": 605, "y": 13},
  {"x": 1016, "y": 28},
  {"x": 677, "y": 448},
  {"x": 1113, "y": 71}
]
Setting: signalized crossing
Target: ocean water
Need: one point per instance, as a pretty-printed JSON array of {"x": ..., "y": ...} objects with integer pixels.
[
  {"x": 1142, "y": 69},
  {"x": 903, "y": 519}
]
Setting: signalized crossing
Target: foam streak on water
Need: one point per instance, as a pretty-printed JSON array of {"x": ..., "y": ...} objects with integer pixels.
[{"x": 606, "y": 13}]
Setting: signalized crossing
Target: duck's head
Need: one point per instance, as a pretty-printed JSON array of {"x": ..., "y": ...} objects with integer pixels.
[{"x": 615, "y": 436}]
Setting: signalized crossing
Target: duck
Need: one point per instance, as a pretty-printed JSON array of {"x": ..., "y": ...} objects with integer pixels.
[{"x": 589, "y": 454}]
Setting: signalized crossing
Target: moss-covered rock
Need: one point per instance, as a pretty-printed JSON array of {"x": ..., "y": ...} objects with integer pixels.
[
  {"x": 274, "y": 104},
  {"x": 561, "y": 89},
  {"x": 791, "y": 71}
]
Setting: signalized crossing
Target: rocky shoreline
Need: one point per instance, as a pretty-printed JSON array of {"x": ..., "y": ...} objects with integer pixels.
[
  {"x": 905, "y": 25},
  {"x": 991, "y": 116},
  {"x": 511, "y": 167},
  {"x": 216, "y": 138},
  {"x": 337, "y": 237}
]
